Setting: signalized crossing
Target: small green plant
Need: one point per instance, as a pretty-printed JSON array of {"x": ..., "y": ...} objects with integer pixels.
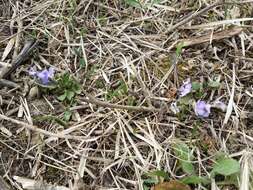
[
  {"x": 224, "y": 166},
  {"x": 193, "y": 94},
  {"x": 66, "y": 87},
  {"x": 179, "y": 48},
  {"x": 67, "y": 115}
]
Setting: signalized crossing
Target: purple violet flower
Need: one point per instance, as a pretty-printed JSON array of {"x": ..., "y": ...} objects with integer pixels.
[
  {"x": 44, "y": 76},
  {"x": 185, "y": 88},
  {"x": 202, "y": 109}
]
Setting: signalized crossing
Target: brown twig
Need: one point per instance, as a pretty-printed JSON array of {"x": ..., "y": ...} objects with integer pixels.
[
  {"x": 206, "y": 38},
  {"x": 92, "y": 100},
  {"x": 8, "y": 83}
]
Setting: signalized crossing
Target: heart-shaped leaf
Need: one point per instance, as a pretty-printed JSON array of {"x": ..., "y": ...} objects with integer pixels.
[{"x": 226, "y": 166}]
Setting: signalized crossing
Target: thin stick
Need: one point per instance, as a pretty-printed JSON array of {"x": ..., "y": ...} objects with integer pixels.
[
  {"x": 206, "y": 38},
  {"x": 93, "y": 100},
  {"x": 3, "y": 184},
  {"x": 8, "y": 83}
]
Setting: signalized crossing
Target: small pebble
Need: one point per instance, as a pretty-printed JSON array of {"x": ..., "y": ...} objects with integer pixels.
[{"x": 33, "y": 93}]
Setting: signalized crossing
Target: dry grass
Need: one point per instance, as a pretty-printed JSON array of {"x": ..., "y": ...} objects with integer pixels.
[{"x": 110, "y": 143}]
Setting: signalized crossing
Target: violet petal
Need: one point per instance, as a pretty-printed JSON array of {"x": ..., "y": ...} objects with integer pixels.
[
  {"x": 43, "y": 76},
  {"x": 202, "y": 109},
  {"x": 185, "y": 88}
]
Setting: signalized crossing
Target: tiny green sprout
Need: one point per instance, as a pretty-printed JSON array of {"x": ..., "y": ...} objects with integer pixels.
[
  {"x": 179, "y": 48},
  {"x": 67, "y": 115}
]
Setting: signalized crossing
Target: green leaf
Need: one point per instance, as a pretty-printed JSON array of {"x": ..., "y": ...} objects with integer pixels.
[
  {"x": 182, "y": 151},
  {"x": 145, "y": 187},
  {"x": 187, "y": 167},
  {"x": 220, "y": 155},
  {"x": 76, "y": 88},
  {"x": 179, "y": 48},
  {"x": 185, "y": 156},
  {"x": 65, "y": 78},
  {"x": 62, "y": 97},
  {"x": 196, "y": 86},
  {"x": 226, "y": 166},
  {"x": 195, "y": 180},
  {"x": 60, "y": 122},
  {"x": 82, "y": 62},
  {"x": 67, "y": 115},
  {"x": 70, "y": 95}
]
